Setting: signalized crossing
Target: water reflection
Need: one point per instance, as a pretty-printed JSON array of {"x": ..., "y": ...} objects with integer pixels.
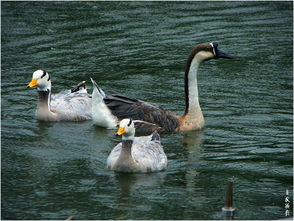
[
  {"x": 192, "y": 143},
  {"x": 192, "y": 140},
  {"x": 128, "y": 183},
  {"x": 138, "y": 49},
  {"x": 41, "y": 130},
  {"x": 136, "y": 186}
]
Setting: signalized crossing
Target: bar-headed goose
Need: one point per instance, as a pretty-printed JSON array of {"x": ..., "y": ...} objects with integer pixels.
[
  {"x": 70, "y": 105},
  {"x": 136, "y": 154},
  {"x": 119, "y": 107}
]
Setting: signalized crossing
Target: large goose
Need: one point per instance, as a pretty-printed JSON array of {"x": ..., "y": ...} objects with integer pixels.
[
  {"x": 70, "y": 105},
  {"x": 118, "y": 107},
  {"x": 136, "y": 154}
]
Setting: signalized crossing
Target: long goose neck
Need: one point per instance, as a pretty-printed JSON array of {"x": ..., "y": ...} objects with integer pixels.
[
  {"x": 191, "y": 87},
  {"x": 126, "y": 151},
  {"x": 44, "y": 100},
  {"x": 43, "y": 109}
]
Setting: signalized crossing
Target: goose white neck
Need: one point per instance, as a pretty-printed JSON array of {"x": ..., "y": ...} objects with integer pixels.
[{"x": 193, "y": 96}]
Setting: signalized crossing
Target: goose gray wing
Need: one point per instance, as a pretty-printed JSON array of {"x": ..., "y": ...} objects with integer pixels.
[
  {"x": 143, "y": 127},
  {"x": 148, "y": 152},
  {"x": 124, "y": 107},
  {"x": 72, "y": 106}
]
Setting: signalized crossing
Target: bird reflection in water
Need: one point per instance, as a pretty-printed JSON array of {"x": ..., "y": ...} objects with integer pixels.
[{"x": 192, "y": 143}]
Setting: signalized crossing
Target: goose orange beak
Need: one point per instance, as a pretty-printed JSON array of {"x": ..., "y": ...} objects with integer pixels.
[
  {"x": 121, "y": 131},
  {"x": 33, "y": 83}
]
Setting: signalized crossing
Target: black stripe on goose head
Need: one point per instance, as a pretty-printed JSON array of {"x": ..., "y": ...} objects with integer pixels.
[
  {"x": 129, "y": 124},
  {"x": 44, "y": 74}
]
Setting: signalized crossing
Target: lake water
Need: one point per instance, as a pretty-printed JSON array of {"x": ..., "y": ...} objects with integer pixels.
[{"x": 57, "y": 170}]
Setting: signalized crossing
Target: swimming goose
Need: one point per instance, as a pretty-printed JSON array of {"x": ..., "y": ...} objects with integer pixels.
[
  {"x": 102, "y": 115},
  {"x": 70, "y": 105},
  {"x": 136, "y": 154},
  {"x": 119, "y": 106}
]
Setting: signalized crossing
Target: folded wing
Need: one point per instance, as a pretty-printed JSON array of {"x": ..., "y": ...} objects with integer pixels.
[{"x": 124, "y": 107}]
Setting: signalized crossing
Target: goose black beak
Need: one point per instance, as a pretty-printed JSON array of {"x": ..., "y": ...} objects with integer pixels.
[
  {"x": 221, "y": 54},
  {"x": 218, "y": 53}
]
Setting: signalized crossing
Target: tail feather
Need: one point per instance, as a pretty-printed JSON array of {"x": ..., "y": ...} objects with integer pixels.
[{"x": 100, "y": 91}]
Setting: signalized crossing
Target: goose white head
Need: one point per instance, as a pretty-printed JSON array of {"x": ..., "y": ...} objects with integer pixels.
[
  {"x": 41, "y": 80},
  {"x": 126, "y": 129}
]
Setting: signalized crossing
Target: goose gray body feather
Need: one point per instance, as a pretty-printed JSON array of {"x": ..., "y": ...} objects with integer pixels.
[
  {"x": 75, "y": 106},
  {"x": 141, "y": 155}
]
